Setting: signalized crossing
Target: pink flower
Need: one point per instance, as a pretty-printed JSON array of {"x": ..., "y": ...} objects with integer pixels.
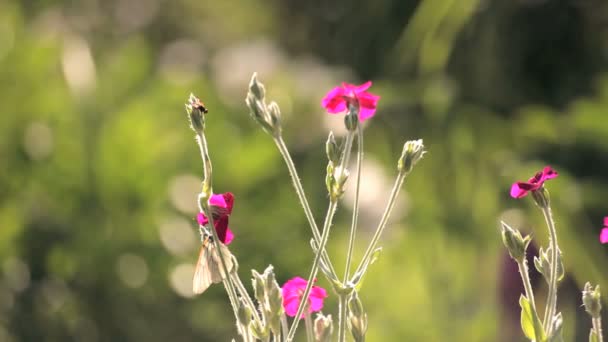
[
  {"x": 521, "y": 189},
  {"x": 221, "y": 208},
  {"x": 604, "y": 232},
  {"x": 604, "y": 235},
  {"x": 293, "y": 290},
  {"x": 337, "y": 100}
]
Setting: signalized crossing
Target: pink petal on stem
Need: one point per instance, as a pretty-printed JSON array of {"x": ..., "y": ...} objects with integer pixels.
[
  {"x": 606, "y": 221},
  {"x": 517, "y": 191},
  {"x": 229, "y": 236},
  {"x": 548, "y": 173},
  {"x": 291, "y": 306},
  {"x": 202, "y": 219},
  {"x": 604, "y": 235},
  {"x": 334, "y": 100},
  {"x": 357, "y": 88},
  {"x": 317, "y": 295}
]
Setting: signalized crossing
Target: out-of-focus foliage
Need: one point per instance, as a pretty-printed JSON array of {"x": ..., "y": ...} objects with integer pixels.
[{"x": 100, "y": 171}]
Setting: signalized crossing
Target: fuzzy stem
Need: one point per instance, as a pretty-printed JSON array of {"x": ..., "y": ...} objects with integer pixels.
[
  {"x": 310, "y": 334},
  {"x": 315, "y": 267},
  {"x": 353, "y": 227},
  {"x": 383, "y": 221},
  {"x": 342, "y": 310},
  {"x": 550, "y": 308},
  {"x": 244, "y": 294},
  {"x": 597, "y": 326},
  {"x": 278, "y": 139},
  {"x": 204, "y": 207},
  {"x": 284, "y": 326},
  {"x": 525, "y": 277}
]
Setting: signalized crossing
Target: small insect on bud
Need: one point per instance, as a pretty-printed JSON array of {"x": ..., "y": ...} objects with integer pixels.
[{"x": 196, "y": 110}]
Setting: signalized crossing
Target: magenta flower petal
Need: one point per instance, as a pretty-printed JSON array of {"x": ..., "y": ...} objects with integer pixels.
[
  {"x": 337, "y": 99},
  {"x": 293, "y": 290},
  {"x": 606, "y": 221},
  {"x": 221, "y": 208},
  {"x": 521, "y": 189},
  {"x": 604, "y": 235},
  {"x": 202, "y": 219}
]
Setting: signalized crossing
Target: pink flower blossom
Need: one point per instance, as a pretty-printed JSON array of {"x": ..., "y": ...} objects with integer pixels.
[
  {"x": 293, "y": 290},
  {"x": 604, "y": 232},
  {"x": 521, "y": 189},
  {"x": 604, "y": 235},
  {"x": 221, "y": 208},
  {"x": 337, "y": 100}
]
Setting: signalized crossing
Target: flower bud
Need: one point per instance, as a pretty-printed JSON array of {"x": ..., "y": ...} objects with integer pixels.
[
  {"x": 357, "y": 318},
  {"x": 351, "y": 121},
  {"x": 256, "y": 88},
  {"x": 275, "y": 115},
  {"x": 331, "y": 149},
  {"x": 337, "y": 182},
  {"x": 514, "y": 242},
  {"x": 258, "y": 330},
  {"x": 323, "y": 328},
  {"x": 258, "y": 287},
  {"x": 542, "y": 263},
  {"x": 244, "y": 312},
  {"x": 196, "y": 110},
  {"x": 413, "y": 151},
  {"x": 592, "y": 300},
  {"x": 541, "y": 197}
]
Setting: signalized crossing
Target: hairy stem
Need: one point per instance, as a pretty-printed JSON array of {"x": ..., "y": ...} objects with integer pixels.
[
  {"x": 278, "y": 139},
  {"x": 383, "y": 221},
  {"x": 353, "y": 227},
  {"x": 310, "y": 334},
  {"x": 550, "y": 308},
  {"x": 245, "y": 295},
  {"x": 597, "y": 326},
  {"x": 342, "y": 310}
]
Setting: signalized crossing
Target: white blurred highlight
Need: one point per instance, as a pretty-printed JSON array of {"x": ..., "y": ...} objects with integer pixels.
[
  {"x": 38, "y": 141},
  {"x": 177, "y": 236},
  {"x": 78, "y": 66},
  {"x": 132, "y": 270},
  {"x": 181, "y": 61},
  {"x": 180, "y": 280},
  {"x": 183, "y": 193}
]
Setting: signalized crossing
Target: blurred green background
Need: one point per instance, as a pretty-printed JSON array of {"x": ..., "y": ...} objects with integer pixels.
[{"x": 99, "y": 170}]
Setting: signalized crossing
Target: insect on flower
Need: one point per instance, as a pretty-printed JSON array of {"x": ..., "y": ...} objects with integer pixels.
[
  {"x": 209, "y": 265},
  {"x": 196, "y": 103},
  {"x": 209, "y": 269}
]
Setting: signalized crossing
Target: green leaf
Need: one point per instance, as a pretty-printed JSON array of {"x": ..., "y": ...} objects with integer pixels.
[{"x": 530, "y": 324}]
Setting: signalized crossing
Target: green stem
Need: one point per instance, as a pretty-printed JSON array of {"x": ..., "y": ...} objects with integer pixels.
[
  {"x": 383, "y": 221},
  {"x": 310, "y": 334},
  {"x": 342, "y": 310},
  {"x": 597, "y": 326},
  {"x": 284, "y": 326},
  {"x": 525, "y": 277},
  {"x": 315, "y": 267},
  {"x": 550, "y": 307},
  {"x": 244, "y": 294},
  {"x": 278, "y": 139},
  {"x": 204, "y": 207},
  {"x": 353, "y": 227}
]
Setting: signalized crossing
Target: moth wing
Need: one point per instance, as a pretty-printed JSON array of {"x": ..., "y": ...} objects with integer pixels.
[
  {"x": 218, "y": 272},
  {"x": 202, "y": 275}
]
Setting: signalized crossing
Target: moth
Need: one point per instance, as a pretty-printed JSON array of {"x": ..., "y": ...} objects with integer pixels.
[{"x": 209, "y": 268}]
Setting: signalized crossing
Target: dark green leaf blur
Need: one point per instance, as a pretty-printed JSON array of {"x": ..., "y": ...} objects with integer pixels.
[{"x": 99, "y": 170}]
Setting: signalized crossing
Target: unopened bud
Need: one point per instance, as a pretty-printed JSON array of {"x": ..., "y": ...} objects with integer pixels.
[
  {"x": 323, "y": 328},
  {"x": 258, "y": 330},
  {"x": 331, "y": 148},
  {"x": 256, "y": 88},
  {"x": 275, "y": 115},
  {"x": 351, "y": 121},
  {"x": 258, "y": 286},
  {"x": 592, "y": 300},
  {"x": 339, "y": 178},
  {"x": 541, "y": 197},
  {"x": 542, "y": 263},
  {"x": 244, "y": 312},
  {"x": 357, "y": 318},
  {"x": 413, "y": 151},
  {"x": 196, "y": 110},
  {"x": 514, "y": 242}
]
